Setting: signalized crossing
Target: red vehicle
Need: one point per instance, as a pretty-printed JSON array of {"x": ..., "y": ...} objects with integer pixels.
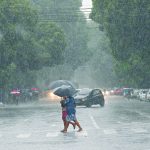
[
  {"x": 15, "y": 94},
  {"x": 118, "y": 91}
]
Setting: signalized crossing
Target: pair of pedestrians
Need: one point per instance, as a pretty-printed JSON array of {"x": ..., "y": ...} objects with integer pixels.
[{"x": 69, "y": 113}]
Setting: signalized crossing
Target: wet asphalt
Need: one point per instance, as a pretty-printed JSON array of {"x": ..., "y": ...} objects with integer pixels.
[{"x": 121, "y": 125}]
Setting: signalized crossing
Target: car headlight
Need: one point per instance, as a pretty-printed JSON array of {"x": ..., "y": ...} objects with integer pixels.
[{"x": 107, "y": 93}]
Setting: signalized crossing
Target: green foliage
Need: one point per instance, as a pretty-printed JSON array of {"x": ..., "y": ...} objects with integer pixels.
[
  {"x": 67, "y": 15},
  {"x": 101, "y": 63},
  {"x": 25, "y": 44},
  {"x": 127, "y": 26},
  {"x": 51, "y": 43}
]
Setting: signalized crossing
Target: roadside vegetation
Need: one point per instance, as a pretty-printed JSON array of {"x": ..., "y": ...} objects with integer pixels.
[
  {"x": 26, "y": 44},
  {"x": 126, "y": 24}
]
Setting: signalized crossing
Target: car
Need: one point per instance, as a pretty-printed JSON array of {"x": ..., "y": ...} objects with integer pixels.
[
  {"x": 106, "y": 92},
  {"x": 26, "y": 95},
  {"x": 135, "y": 93},
  {"x": 89, "y": 97},
  {"x": 49, "y": 95},
  {"x": 143, "y": 94},
  {"x": 127, "y": 92},
  {"x": 148, "y": 95},
  {"x": 118, "y": 91}
]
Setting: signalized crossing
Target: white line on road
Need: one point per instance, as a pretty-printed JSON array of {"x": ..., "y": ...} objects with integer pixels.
[
  {"x": 94, "y": 122},
  {"x": 139, "y": 130},
  {"x": 82, "y": 133},
  {"x": 23, "y": 136},
  {"x": 26, "y": 120},
  {"x": 53, "y": 125},
  {"x": 52, "y": 134},
  {"x": 109, "y": 131}
]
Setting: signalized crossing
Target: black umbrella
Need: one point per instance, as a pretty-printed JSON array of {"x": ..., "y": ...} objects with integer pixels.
[
  {"x": 58, "y": 83},
  {"x": 64, "y": 90}
]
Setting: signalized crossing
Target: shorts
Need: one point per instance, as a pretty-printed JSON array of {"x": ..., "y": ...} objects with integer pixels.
[
  {"x": 71, "y": 117},
  {"x": 64, "y": 114}
]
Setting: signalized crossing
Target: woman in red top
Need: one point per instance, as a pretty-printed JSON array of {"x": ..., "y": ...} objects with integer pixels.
[
  {"x": 69, "y": 114},
  {"x": 64, "y": 114}
]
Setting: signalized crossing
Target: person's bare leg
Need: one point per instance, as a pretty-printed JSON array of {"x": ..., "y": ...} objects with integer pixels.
[
  {"x": 79, "y": 126},
  {"x": 66, "y": 127},
  {"x": 73, "y": 124}
]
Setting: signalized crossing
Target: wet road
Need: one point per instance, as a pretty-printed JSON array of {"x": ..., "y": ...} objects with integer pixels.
[{"x": 121, "y": 125}]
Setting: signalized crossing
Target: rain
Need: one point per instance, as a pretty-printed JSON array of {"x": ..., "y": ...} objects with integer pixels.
[{"x": 96, "y": 50}]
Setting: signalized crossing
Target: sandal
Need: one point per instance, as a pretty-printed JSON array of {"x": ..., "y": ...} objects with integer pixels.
[
  {"x": 63, "y": 131},
  {"x": 74, "y": 126},
  {"x": 80, "y": 130}
]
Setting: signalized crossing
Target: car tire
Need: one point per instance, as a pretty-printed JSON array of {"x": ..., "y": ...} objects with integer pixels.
[
  {"x": 102, "y": 102},
  {"x": 88, "y": 104}
]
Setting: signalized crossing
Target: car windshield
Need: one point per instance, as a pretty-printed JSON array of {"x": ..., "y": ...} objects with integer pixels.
[{"x": 84, "y": 92}]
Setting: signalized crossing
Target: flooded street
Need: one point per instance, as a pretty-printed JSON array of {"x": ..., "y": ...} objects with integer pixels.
[{"x": 121, "y": 124}]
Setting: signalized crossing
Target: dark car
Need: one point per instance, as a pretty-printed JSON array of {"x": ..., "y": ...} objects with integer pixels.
[{"x": 89, "y": 97}]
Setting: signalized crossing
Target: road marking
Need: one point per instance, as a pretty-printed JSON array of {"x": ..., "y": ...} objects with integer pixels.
[
  {"x": 23, "y": 136},
  {"x": 26, "y": 120},
  {"x": 109, "y": 131},
  {"x": 52, "y": 134},
  {"x": 94, "y": 122},
  {"x": 82, "y": 133},
  {"x": 53, "y": 125},
  {"x": 139, "y": 130},
  {"x": 1, "y": 135},
  {"x": 141, "y": 113}
]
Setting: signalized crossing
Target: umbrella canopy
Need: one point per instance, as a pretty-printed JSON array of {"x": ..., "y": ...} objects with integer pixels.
[
  {"x": 58, "y": 83},
  {"x": 64, "y": 90}
]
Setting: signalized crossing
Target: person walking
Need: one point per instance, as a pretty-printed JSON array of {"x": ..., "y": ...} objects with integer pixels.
[
  {"x": 64, "y": 113},
  {"x": 71, "y": 114}
]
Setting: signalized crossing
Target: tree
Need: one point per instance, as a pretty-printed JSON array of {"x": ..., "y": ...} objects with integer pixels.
[
  {"x": 51, "y": 43},
  {"x": 23, "y": 49},
  {"x": 16, "y": 26},
  {"x": 66, "y": 14},
  {"x": 127, "y": 26}
]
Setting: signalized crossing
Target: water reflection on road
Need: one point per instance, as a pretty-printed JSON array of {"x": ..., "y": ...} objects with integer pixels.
[{"x": 121, "y": 125}]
